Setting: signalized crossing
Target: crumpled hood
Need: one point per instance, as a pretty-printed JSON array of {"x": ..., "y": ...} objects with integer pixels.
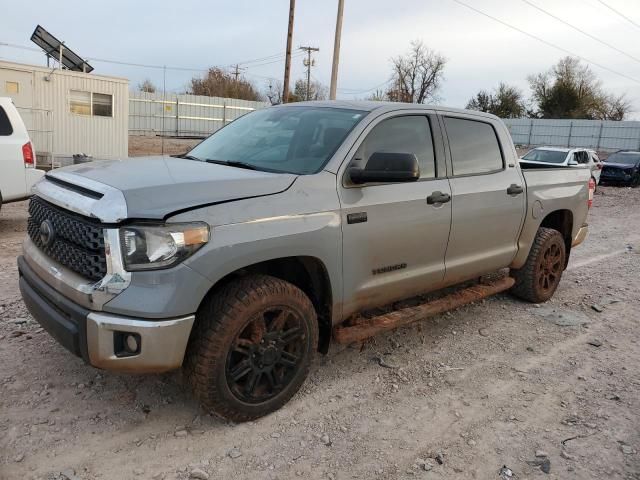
[{"x": 154, "y": 187}]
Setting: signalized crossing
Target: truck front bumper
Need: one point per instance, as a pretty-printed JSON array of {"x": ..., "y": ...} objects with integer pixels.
[{"x": 106, "y": 341}]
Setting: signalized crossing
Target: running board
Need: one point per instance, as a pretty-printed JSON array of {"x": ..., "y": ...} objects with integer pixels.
[{"x": 364, "y": 329}]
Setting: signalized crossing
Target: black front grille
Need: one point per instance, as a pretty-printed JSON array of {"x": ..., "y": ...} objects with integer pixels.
[
  {"x": 612, "y": 172},
  {"x": 77, "y": 242}
]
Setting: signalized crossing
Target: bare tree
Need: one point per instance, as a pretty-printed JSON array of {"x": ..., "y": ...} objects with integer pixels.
[
  {"x": 147, "y": 86},
  {"x": 218, "y": 83},
  {"x": 377, "y": 96},
  {"x": 417, "y": 75},
  {"x": 317, "y": 91}
]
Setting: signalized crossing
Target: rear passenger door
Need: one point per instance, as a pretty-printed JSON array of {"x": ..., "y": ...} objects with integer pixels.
[{"x": 487, "y": 194}]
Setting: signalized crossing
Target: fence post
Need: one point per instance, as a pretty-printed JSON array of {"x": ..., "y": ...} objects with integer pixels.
[
  {"x": 530, "y": 132},
  {"x": 224, "y": 113},
  {"x": 570, "y": 128},
  {"x": 600, "y": 135},
  {"x": 177, "y": 116}
]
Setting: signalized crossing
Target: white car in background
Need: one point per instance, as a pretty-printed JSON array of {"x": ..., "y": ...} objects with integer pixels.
[
  {"x": 17, "y": 157},
  {"x": 565, "y": 157}
]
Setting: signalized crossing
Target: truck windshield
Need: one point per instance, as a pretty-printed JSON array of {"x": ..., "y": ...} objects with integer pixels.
[
  {"x": 293, "y": 139},
  {"x": 626, "y": 158},
  {"x": 548, "y": 156}
]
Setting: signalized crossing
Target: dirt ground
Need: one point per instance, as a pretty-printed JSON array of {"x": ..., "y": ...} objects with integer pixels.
[
  {"x": 141, "y": 145},
  {"x": 486, "y": 386}
]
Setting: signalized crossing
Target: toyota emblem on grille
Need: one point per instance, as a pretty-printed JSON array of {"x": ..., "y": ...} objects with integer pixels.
[{"x": 47, "y": 233}]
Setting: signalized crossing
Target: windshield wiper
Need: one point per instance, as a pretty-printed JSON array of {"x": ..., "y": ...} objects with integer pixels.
[
  {"x": 188, "y": 157},
  {"x": 232, "y": 163}
]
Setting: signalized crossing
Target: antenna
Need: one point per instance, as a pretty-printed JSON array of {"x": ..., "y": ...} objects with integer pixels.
[{"x": 58, "y": 51}]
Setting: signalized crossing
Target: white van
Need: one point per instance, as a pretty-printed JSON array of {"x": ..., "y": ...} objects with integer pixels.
[{"x": 17, "y": 157}]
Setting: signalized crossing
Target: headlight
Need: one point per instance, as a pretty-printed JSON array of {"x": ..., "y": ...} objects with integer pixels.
[{"x": 149, "y": 247}]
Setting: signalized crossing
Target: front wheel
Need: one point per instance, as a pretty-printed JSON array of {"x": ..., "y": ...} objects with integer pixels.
[
  {"x": 252, "y": 347},
  {"x": 538, "y": 279}
]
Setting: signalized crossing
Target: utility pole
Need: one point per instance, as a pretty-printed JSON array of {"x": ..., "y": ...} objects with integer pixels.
[
  {"x": 287, "y": 63},
  {"x": 307, "y": 62},
  {"x": 237, "y": 71},
  {"x": 336, "y": 52}
]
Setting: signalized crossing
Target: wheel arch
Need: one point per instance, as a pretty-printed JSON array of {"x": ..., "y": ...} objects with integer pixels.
[
  {"x": 562, "y": 221},
  {"x": 307, "y": 273}
]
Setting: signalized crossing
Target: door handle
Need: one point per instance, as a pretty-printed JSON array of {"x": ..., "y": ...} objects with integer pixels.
[
  {"x": 438, "y": 197},
  {"x": 515, "y": 189}
]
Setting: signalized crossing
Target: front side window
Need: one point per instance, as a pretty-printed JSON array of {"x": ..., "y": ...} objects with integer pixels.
[
  {"x": 407, "y": 134},
  {"x": 5, "y": 125},
  {"x": 293, "y": 139},
  {"x": 474, "y": 146}
]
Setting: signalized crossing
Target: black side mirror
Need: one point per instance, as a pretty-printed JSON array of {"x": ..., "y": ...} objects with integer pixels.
[{"x": 384, "y": 167}]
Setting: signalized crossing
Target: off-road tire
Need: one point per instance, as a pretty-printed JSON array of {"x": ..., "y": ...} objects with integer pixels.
[
  {"x": 530, "y": 282},
  {"x": 220, "y": 321}
]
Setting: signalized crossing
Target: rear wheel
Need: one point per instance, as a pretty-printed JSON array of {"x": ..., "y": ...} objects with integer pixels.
[
  {"x": 538, "y": 279},
  {"x": 252, "y": 348}
]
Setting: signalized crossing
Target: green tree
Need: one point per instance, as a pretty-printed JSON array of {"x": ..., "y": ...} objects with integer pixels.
[
  {"x": 571, "y": 90},
  {"x": 505, "y": 102}
]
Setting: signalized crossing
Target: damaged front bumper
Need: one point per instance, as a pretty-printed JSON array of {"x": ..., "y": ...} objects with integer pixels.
[{"x": 106, "y": 341}]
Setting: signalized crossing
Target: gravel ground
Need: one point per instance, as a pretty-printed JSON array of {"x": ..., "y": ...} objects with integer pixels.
[
  {"x": 456, "y": 396},
  {"x": 141, "y": 145}
]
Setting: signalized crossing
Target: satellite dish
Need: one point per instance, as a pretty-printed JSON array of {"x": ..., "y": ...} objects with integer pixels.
[{"x": 57, "y": 50}]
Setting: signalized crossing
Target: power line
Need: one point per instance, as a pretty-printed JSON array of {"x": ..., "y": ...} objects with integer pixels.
[
  {"x": 351, "y": 91},
  {"x": 593, "y": 37},
  {"x": 620, "y": 14},
  {"x": 158, "y": 67},
  {"x": 553, "y": 45}
]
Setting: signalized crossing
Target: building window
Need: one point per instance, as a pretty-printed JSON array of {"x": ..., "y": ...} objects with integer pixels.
[
  {"x": 102, "y": 105},
  {"x": 87, "y": 103},
  {"x": 12, "y": 88},
  {"x": 80, "y": 102}
]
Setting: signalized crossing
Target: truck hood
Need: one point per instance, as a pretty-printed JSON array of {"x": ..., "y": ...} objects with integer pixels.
[{"x": 155, "y": 187}]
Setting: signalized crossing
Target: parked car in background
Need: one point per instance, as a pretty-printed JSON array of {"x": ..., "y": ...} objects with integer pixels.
[
  {"x": 622, "y": 167},
  {"x": 565, "y": 157},
  {"x": 17, "y": 158}
]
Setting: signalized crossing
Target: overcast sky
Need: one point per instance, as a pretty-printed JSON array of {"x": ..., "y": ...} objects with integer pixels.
[{"x": 198, "y": 34}]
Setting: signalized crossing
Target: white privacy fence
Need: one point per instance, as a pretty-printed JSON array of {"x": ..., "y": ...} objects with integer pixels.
[
  {"x": 183, "y": 115},
  {"x": 596, "y": 134}
]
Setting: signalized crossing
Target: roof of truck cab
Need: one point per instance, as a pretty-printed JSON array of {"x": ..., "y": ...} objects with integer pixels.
[{"x": 369, "y": 106}]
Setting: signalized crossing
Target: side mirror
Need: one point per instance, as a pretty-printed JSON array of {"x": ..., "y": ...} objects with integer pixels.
[{"x": 384, "y": 167}]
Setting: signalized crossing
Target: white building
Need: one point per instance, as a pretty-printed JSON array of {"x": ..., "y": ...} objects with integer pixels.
[{"x": 69, "y": 112}]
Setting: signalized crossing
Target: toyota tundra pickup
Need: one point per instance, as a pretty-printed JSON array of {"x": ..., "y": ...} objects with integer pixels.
[{"x": 242, "y": 258}]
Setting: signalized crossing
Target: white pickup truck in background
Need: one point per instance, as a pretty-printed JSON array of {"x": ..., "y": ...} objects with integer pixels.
[{"x": 17, "y": 157}]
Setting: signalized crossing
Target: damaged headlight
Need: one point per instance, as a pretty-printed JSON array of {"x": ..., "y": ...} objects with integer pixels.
[{"x": 149, "y": 247}]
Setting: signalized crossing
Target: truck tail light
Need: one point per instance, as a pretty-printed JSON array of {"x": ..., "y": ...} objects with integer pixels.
[
  {"x": 592, "y": 188},
  {"x": 27, "y": 155}
]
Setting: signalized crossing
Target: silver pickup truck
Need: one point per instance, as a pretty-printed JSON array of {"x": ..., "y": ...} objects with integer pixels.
[{"x": 242, "y": 258}]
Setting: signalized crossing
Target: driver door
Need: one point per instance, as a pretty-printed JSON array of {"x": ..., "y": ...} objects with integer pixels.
[{"x": 394, "y": 241}]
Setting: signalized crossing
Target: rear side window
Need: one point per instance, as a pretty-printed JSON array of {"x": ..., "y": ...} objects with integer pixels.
[
  {"x": 5, "y": 125},
  {"x": 407, "y": 134},
  {"x": 474, "y": 146}
]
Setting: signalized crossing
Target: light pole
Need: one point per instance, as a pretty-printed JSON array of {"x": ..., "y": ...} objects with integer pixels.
[{"x": 336, "y": 52}]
